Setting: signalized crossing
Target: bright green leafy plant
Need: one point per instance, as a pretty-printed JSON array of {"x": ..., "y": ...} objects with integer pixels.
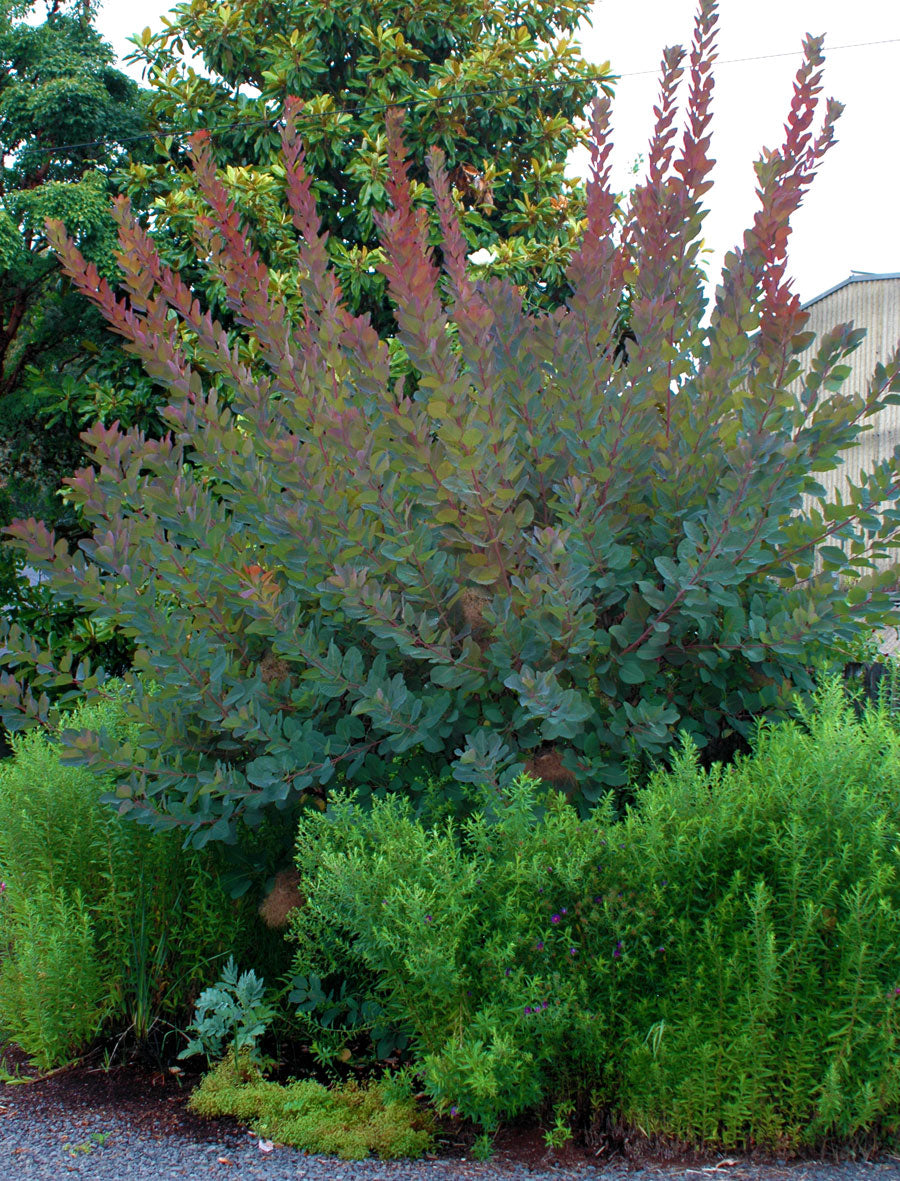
[
  {"x": 104, "y": 925},
  {"x": 771, "y": 1014},
  {"x": 549, "y": 557},
  {"x": 52, "y": 996},
  {"x": 561, "y": 1133},
  {"x": 472, "y": 938}
]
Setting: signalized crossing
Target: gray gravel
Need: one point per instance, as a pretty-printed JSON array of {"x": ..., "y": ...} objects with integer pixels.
[{"x": 45, "y": 1134}]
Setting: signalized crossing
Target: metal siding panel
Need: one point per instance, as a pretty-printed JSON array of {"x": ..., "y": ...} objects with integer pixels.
[{"x": 873, "y": 304}]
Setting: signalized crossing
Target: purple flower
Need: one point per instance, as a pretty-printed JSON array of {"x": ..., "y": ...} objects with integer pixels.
[
  {"x": 563, "y": 911},
  {"x": 617, "y": 951},
  {"x": 527, "y": 1010},
  {"x": 2, "y": 887},
  {"x": 428, "y": 918},
  {"x": 545, "y": 1005},
  {"x": 453, "y": 1112},
  {"x": 540, "y": 945},
  {"x": 508, "y": 971},
  {"x": 573, "y": 951},
  {"x": 554, "y": 919}
]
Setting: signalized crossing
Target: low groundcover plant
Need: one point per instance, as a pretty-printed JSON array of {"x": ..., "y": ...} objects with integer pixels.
[{"x": 350, "y": 1121}]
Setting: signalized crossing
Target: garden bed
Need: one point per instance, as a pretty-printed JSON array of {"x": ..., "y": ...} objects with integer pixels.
[{"x": 132, "y": 1123}]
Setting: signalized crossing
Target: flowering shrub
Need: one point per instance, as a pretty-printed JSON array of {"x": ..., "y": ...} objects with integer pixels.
[
  {"x": 720, "y": 966},
  {"x": 473, "y": 938},
  {"x": 541, "y": 555}
]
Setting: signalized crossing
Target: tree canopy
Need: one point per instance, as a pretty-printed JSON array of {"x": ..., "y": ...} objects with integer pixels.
[
  {"x": 499, "y": 87},
  {"x": 67, "y": 116}
]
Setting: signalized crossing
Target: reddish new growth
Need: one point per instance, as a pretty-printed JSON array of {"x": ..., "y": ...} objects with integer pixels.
[{"x": 505, "y": 541}]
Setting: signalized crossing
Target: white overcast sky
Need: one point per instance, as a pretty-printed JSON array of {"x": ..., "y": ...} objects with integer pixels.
[{"x": 850, "y": 220}]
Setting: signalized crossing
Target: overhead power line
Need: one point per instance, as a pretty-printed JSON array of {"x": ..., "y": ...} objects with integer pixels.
[
  {"x": 425, "y": 99},
  {"x": 765, "y": 57}
]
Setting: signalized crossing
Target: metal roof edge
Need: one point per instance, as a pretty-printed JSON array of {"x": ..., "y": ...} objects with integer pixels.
[{"x": 853, "y": 277}]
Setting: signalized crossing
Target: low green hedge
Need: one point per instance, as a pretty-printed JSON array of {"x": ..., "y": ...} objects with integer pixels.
[
  {"x": 104, "y": 924},
  {"x": 721, "y": 966}
]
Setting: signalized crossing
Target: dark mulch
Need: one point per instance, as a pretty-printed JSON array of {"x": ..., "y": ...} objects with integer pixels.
[{"x": 152, "y": 1103}]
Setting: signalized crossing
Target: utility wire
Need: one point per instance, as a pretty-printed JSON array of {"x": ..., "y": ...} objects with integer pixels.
[
  {"x": 424, "y": 100},
  {"x": 765, "y": 57}
]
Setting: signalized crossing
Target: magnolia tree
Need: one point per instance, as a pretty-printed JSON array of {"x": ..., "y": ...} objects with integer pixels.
[
  {"x": 500, "y": 86},
  {"x": 551, "y": 557}
]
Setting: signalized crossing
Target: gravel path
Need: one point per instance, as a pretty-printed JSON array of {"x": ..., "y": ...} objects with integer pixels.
[{"x": 50, "y": 1131}]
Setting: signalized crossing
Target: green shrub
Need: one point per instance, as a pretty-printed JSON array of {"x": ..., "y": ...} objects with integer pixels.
[
  {"x": 102, "y": 920},
  {"x": 548, "y": 552},
  {"x": 52, "y": 995},
  {"x": 771, "y": 1014},
  {"x": 472, "y": 937},
  {"x": 349, "y": 1121},
  {"x": 720, "y": 966}
]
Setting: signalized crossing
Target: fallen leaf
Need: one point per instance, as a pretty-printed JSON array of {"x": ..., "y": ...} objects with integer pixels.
[
  {"x": 224, "y": 1160},
  {"x": 266, "y": 1146}
]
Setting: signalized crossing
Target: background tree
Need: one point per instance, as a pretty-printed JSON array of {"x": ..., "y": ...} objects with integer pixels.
[
  {"x": 500, "y": 87},
  {"x": 67, "y": 120}
]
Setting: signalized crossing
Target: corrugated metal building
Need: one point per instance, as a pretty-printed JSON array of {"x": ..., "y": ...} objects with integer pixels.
[{"x": 871, "y": 302}]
